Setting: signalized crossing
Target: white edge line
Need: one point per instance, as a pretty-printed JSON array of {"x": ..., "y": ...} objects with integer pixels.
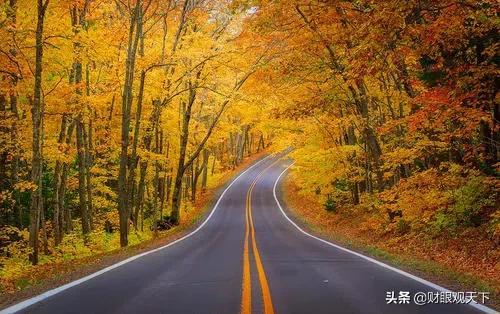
[
  {"x": 24, "y": 304},
  {"x": 478, "y": 306}
]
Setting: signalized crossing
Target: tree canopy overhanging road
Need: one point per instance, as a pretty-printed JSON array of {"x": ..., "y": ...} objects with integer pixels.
[{"x": 246, "y": 257}]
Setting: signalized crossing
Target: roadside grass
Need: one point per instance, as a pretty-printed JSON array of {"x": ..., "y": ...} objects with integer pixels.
[{"x": 426, "y": 267}]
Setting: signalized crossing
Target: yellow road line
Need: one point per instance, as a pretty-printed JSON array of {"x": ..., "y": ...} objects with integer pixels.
[
  {"x": 264, "y": 286},
  {"x": 246, "y": 295},
  {"x": 246, "y": 298}
]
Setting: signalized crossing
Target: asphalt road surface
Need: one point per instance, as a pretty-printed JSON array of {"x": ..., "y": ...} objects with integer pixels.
[{"x": 246, "y": 258}]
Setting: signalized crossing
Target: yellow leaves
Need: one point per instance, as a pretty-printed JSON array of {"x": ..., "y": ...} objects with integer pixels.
[
  {"x": 23, "y": 186},
  {"x": 72, "y": 183},
  {"x": 319, "y": 168},
  {"x": 150, "y": 156},
  {"x": 54, "y": 151},
  {"x": 105, "y": 201},
  {"x": 401, "y": 155},
  {"x": 425, "y": 145},
  {"x": 14, "y": 242},
  {"x": 495, "y": 225},
  {"x": 5, "y": 197},
  {"x": 421, "y": 196}
]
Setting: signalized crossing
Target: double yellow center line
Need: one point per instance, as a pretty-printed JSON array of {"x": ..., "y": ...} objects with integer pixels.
[{"x": 246, "y": 297}]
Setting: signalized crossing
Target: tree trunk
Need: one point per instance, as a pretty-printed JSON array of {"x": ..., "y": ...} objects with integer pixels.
[
  {"x": 181, "y": 167},
  {"x": 261, "y": 143},
  {"x": 155, "y": 198},
  {"x": 204, "y": 175},
  {"x": 213, "y": 165},
  {"x": 176, "y": 197},
  {"x": 65, "y": 220},
  {"x": 194, "y": 179},
  {"x": 133, "y": 38},
  {"x": 187, "y": 185},
  {"x": 37, "y": 115},
  {"x": 140, "y": 193},
  {"x": 156, "y": 183},
  {"x": 77, "y": 21},
  {"x": 355, "y": 193},
  {"x": 246, "y": 141},
  {"x": 45, "y": 240},
  {"x": 87, "y": 143},
  {"x": 89, "y": 147},
  {"x": 169, "y": 184},
  {"x": 17, "y": 209},
  {"x": 57, "y": 184},
  {"x": 134, "y": 158},
  {"x": 82, "y": 179}
]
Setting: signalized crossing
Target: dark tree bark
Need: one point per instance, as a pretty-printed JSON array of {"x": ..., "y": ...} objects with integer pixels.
[
  {"x": 355, "y": 192},
  {"x": 194, "y": 178},
  {"x": 37, "y": 118},
  {"x": 133, "y": 157},
  {"x": 133, "y": 39},
  {"x": 204, "y": 174},
  {"x": 89, "y": 158},
  {"x": 82, "y": 179},
  {"x": 139, "y": 202},
  {"x": 181, "y": 166},
  {"x": 261, "y": 143},
  {"x": 78, "y": 20},
  {"x": 213, "y": 165},
  {"x": 57, "y": 183},
  {"x": 87, "y": 141},
  {"x": 66, "y": 219},
  {"x": 14, "y": 151}
]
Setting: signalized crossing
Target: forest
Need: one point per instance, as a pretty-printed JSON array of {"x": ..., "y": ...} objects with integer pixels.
[{"x": 117, "y": 115}]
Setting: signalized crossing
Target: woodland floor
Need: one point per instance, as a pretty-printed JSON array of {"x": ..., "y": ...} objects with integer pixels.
[
  {"x": 50, "y": 276},
  {"x": 467, "y": 262}
]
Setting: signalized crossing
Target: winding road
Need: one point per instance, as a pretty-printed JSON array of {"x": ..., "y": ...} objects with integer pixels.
[{"x": 246, "y": 257}]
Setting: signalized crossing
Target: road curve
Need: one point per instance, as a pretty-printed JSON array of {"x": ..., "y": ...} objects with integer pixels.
[{"x": 247, "y": 257}]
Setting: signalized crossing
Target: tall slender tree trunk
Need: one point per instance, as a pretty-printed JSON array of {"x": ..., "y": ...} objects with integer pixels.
[
  {"x": 89, "y": 147},
  {"x": 155, "y": 190},
  {"x": 82, "y": 179},
  {"x": 181, "y": 167},
  {"x": 213, "y": 165},
  {"x": 194, "y": 178},
  {"x": 45, "y": 239},
  {"x": 133, "y": 40},
  {"x": 355, "y": 192},
  {"x": 169, "y": 184},
  {"x": 84, "y": 192},
  {"x": 134, "y": 160},
  {"x": 17, "y": 209},
  {"x": 87, "y": 142},
  {"x": 261, "y": 143},
  {"x": 57, "y": 184},
  {"x": 140, "y": 193},
  {"x": 37, "y": 115},
  {"x": 204, "y": 174},
  {"x": 66, "y": 219}
]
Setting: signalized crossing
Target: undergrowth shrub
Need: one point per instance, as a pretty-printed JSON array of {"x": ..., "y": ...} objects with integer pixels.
[
  {"x": 329, "y": 204},
  {"x": 469, "y": 205},
  {"x": 402, "y": 227}
]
